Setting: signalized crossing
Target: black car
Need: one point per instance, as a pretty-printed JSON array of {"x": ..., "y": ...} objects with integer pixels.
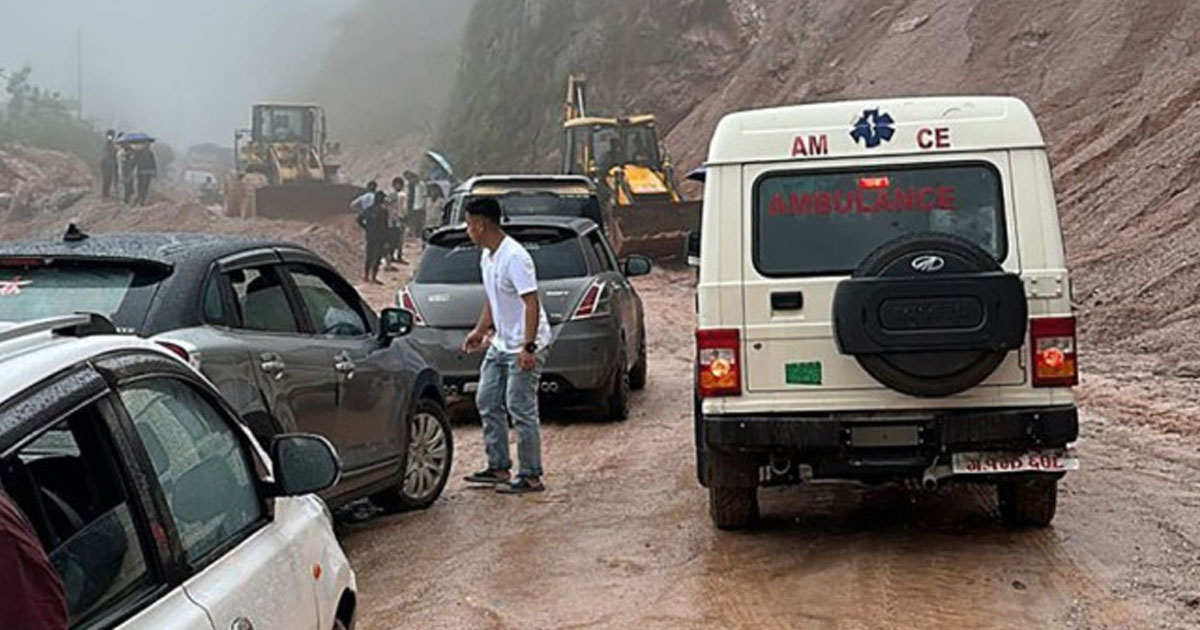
[{"x": 286, "y": 339}]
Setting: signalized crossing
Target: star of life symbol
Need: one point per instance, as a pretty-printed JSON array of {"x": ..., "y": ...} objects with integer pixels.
[
  {"x": 13, "y": 287},
  {"x": 873, "y": 128}
]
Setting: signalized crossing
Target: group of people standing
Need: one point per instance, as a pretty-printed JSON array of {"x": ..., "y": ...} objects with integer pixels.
[
  {"x": 129, "y": 167},
  {"x": 384, "y": 217}
]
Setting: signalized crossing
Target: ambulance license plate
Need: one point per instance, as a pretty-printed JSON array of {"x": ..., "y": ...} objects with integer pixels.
[{"x": 1052, "y": 460}]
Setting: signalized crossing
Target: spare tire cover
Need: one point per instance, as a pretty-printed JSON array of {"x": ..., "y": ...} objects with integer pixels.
[{"x": 930, "y": 315}]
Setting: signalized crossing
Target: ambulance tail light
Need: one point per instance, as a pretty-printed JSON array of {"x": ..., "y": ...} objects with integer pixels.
[
  {"x": 1053, "y": 350},
  {"x": 718, "y": 363}
]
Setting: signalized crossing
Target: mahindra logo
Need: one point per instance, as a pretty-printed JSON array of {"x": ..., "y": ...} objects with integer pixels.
[{"x": 928, "y": 263}]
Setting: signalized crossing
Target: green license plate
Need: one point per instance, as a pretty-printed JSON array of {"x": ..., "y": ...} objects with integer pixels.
[{"x": 803, "y": 373}]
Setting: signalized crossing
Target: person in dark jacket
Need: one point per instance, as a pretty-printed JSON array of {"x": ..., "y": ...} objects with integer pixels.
[
  {"x": 147, "y": 168},
  {"x": 108, "y": 163},
  {"x": 374, "y": 222},
  {"x": 32, "y": 597},
  {"x": 128, "y": 171}
]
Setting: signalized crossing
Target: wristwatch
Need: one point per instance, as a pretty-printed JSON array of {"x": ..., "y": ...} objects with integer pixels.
[{"x": 530, "y": 347}]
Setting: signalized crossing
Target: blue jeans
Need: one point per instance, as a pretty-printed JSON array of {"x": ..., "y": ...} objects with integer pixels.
[{"x": 504, "y": 390}]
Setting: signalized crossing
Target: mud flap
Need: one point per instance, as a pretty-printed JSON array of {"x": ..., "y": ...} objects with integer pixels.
[{"x": 732, "y": 469}]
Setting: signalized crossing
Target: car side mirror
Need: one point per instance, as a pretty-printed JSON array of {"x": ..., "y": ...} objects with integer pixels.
[
  {"x": 304, "y": 463},
  {"x": 637, "y": 266},
  {"x": 691, "y": 249},
  {"x": 395, "y": 322}
]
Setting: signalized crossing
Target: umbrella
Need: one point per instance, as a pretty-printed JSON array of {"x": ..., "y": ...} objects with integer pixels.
[
  {"x": 441, "y": 161},
  {"x": 133, "y": 138},
  {"x": 697, "y": 174}
]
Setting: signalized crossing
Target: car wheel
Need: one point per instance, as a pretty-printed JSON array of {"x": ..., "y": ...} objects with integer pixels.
[
  {"x": 732, "y": 508},
  {"x": 427, "y": 466},
  {"x": 637, "y": 375},
  {"x": 1030, "y": 502},
  {"x": 616, "y": 403}
]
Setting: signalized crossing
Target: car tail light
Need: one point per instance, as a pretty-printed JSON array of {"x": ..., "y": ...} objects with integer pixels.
[
  {"x": 407, "y": 303},
  {"x": 718, "y": 363},
  {"x": 190, "y": 356},
  {"x": 1052, "y": 344},
  {"x": 593, "y": 303},
  {"x": 21, "y": 262}
]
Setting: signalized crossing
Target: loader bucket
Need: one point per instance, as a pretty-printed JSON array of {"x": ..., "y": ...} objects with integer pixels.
[
  {"x": 657, "y": 229},
  {"x": 305, "y": 201}
]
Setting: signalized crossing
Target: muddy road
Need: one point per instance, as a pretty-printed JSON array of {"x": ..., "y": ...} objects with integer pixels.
[{"x": 622, "y": 538}]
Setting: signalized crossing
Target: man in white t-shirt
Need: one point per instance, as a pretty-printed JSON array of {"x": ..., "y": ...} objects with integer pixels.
[{"x": 512, "y": 368}]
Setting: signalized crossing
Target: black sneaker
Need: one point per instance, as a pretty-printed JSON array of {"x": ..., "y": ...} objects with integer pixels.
[
  {"x": 488, "y": 476},
  {"x": 521, "y": 485}
]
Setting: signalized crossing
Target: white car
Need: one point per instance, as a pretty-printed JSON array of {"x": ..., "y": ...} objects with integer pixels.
[
  {"x": 153, "y": 502},
  {"x": 883, "y": 296}
]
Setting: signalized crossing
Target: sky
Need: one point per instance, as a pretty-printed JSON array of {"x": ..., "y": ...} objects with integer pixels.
[{"x": 185, "y": 72}]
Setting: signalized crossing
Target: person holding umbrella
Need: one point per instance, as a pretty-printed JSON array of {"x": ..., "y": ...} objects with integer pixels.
[{"x": 138, "y": 165}]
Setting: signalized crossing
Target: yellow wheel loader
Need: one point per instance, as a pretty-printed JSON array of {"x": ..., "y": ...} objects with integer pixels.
[
  {"x": 282, "y": 167},
  {"x": 633, "y": 174}
]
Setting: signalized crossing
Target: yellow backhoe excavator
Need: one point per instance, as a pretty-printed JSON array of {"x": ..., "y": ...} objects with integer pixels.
[
  {"x": 634, "y": 174},
  {"x": 283, "y": 170}
]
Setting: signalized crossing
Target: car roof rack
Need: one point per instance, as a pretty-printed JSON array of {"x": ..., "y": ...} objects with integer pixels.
[{"x": 77, "y": 325}]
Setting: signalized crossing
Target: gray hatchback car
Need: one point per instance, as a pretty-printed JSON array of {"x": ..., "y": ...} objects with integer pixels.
[
  {"x": 290, "y": 344},
  {"x": 596, "y": 318}
]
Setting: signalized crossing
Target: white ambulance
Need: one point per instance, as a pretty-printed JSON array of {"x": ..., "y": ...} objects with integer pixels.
[{"x": 883, "y": 296}]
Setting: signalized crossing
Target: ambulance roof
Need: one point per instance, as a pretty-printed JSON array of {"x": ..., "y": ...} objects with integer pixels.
[{"x": 871, "y": 128}]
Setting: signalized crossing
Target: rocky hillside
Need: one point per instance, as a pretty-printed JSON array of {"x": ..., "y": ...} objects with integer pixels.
[{"x": 1116, "y": 84}]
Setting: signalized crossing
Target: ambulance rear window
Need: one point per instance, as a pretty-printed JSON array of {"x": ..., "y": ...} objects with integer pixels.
[{"x": 827, "y": 222}]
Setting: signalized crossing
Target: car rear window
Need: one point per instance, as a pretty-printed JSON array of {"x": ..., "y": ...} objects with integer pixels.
[
  {"x": 557, "y": 254},
  {"x": 120, "y": 292},
  {"x": 827, "y": 222},
  {"x": 525, "y": 204}
]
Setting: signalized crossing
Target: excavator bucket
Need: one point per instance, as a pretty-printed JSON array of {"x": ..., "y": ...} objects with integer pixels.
[
  {"x": 314, "y": 201},
  {"x": 657, "y": 229}
]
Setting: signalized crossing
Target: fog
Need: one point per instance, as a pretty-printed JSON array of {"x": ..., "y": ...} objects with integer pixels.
[{"x": 186, "y": 72}]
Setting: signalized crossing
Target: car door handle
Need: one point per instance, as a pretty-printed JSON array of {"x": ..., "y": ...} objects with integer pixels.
[
  {"x": 787, "y": 301},
  {"x": 272, "y": 364},
  {"x": 274, "y": 368},
  {"x": 345, "y": 367}
]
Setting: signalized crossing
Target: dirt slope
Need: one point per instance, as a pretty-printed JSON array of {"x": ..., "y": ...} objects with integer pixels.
[
  {"x": 1114, "y": 82},
  {"x": 57, "y": 191}
]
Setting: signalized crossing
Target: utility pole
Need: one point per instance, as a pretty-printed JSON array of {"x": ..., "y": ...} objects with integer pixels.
[{"x": 79, "y": 71}]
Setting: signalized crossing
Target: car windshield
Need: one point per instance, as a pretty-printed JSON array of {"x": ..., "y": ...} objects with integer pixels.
[
  {"x": 827, "y": 222},
  {"x": 282, "y": 124},
  {"x": 34, "y": 290},
  {"x": 641, "y": 146},
  {"x": 556, "y": 254}
]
